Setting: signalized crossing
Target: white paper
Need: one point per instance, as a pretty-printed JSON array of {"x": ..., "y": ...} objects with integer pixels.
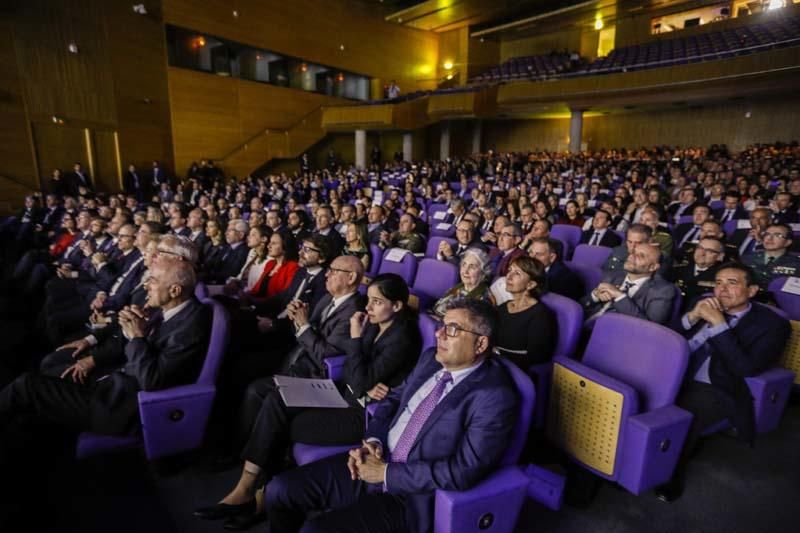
[
  {"x": 795, "y": 227},
  {"x": 743, "y": 224},
  {"x": 439, "y": 215},
  {"x": 499, "y": 291},
  {"x": 302, "y": 392},
  {"x": 377, "y": 197},
  {"x": 444, "y": 226},
  {"x": 563, "y": 201},
  {"x": 395, "y": 255},
  {"x": 792, "y": 285}
]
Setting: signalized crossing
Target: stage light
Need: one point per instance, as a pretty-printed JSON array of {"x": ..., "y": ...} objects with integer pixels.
[
  {"x": 598, "y": 24},
  {"x": 448, "y": 65},
  {"x": 449, "y": 76}
]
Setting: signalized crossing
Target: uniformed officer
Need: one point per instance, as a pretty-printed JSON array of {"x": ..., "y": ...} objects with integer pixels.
[
  {"x": 696, "y": 277},
  {"x": 774, "y": 261},
  {"x": 637, "y": 235}
]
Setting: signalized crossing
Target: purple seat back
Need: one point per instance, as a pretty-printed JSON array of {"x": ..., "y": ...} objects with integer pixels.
[
  {"x": 217, "y": 344},
  {"x": 201, "y": 291},
  {"x": 433, "y": 245},
  {"x": 591, "y": 255},
  {"x": 569, "y": 235},
  {"x": 527, "y": 397},
  {"x": 406, "y": 269},
  {"x": 685, "y": 219},
  {"x": 377, "y": 259},
  {"x": 447, "y": 229},
  {"x": 434, "y": 277},
  {"x": 729, "y": 227},
  {"x": 569, "y": 318},
  {"x": 650, "y": 358},
  {"x": 427, "y": 328},
  {"x": 788, "y": 303},
  {"x": 590, "y": 276}
]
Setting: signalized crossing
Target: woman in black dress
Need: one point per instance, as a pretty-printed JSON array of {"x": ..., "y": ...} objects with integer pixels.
[{"x": 527, "y": 329}]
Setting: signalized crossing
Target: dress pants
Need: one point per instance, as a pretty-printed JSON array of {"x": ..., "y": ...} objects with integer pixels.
[
  {"x": 276, "y": 426},
  {"x": 354, "y": 506},
  {"x": 62, "y": 402}
]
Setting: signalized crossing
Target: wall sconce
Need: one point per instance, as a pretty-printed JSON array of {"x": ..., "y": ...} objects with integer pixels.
[
  {"x": 146, "y": 100},
  {"x": 235, "y": 14},
  {"x": 340, "y": 77},
  {"x": 598, "y": 24},
  {"x": 139, "y": 9},
  {"x": 448, "y": 65},
  {"x": 449, "y": 77},
  {"x": 72, "y": 47},
  {"x": 341, "y": 47},
  {"x": 57, "y": 120},
  {"x": 303, "y": 67}
]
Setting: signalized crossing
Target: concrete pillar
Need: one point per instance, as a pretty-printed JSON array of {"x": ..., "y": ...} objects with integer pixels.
[
  {"x": 575, "y": 130},
  {"x": 361, "y": 148},
  {"x": 444, "y": 142},
  {"x": 477, "y": 133},
  {"x": 408, "y": 147}
]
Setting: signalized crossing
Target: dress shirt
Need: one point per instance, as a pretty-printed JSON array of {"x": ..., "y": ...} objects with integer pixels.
[
  {"x": 706, "y": 333},
  {"x": 597, "y": 237},
  {"x": 332, "y": 308}
]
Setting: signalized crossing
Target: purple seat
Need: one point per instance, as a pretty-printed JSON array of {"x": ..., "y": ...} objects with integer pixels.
[
  {"x": 433, "y": 279},
  {"x": 433, "y": 245},
  {"x": 590, "y": 276},
  {"x": 569, "y": 318},
  {"x": 729, "y": 227},
  {"x": 442, "y": 229},
  {"x": 406, "y": 268},
  {"x": 788, "y": 302},
  {"x": 173, "y": 420},
  {"x": 428, "y": 327},
  {"x": 377, "y": 257},
  {"x": 591, "y": 255},
  {"x": 626, "y": 392},
  {"x": 685, "y": 219},
  {"x": 201, "y": 291},
  {"x": 569, "y": 235}
]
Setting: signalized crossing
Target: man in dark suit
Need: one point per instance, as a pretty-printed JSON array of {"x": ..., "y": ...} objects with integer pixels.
[
  {"x": 156, "y": 178},
  {"x": 785, "y": 213},
  {"x": 508, "y": 240},
  {"x": 732, "y": 209},
  {"x": 232, "y": 259},
  {"x": 376, "y": 223},
  {"x": 560, "y": 279},
  {"x": 446, "y": 427},
  {"x": 687, "y": 200},
  {"x": 730, "y": 338},
  {"x": 749, "y": 240},
  {"x": 601, "y": 234},
  {"x": 133, "y": 183},
  {"x": 165, "y": 350},
  {"x": 696, "y": 277},
  {"x": 466, "y": 237},
  {"x": 324, "y": 220},
  {"x": 78, "y": 180},
  {"x": 636, "y": 291},
  {"x": 689, "y": 232}
]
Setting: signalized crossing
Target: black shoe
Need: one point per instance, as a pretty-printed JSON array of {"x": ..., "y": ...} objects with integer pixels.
[
  {"x": 669, "y": 492},
  {"x": 224, "y": 510},
  {"x": 242, "y": 522}
]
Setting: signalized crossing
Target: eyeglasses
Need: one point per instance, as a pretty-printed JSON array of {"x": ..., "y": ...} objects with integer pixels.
[
  {"x": 121, "y": 235},
  {"x": 708, "y": 250},
  {"x": 167, "y": 252},
  {"x": 775, "y": 235},
  {"x": 309, "y": 249},
  {"x": 452, "y": 329},
  {"x": 332, "y": 269}
]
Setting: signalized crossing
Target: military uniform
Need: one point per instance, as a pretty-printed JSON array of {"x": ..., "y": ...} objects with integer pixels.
[
  {"x": 412, "y": 242},
  {"x": 616, "y": 261},
  {"x": 664, "y": 242},
  {"x": 693, "y": 284},
  {"x": 785, "y": 265}
]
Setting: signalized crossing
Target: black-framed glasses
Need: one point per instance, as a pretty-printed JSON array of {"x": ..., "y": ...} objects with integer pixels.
[
  {"x": 332, "y": 269},
  {"x": 452, "y": 329},
  {"x": 308, "y": 249}
]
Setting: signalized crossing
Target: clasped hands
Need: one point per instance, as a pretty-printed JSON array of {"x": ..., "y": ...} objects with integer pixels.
[
  {"x": 367, "y": 464},
  {"x": 605, "y": 292},
  {"x": 133, "y": 321},
  {"x": 298, "y": 313},
  {"x": 708, "y": 309}
]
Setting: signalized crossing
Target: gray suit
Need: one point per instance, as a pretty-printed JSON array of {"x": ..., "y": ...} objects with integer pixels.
[{"x": 653, "y": 301}]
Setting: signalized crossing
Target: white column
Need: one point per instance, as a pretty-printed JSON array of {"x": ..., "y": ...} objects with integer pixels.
[
  {"x": 408, "y": 147},
  {"x": 575, "y": 130},
  {"x": 361, "y": 148},
  {"x": 477, "y": 133},
  {"x": 444, "y": 142}
]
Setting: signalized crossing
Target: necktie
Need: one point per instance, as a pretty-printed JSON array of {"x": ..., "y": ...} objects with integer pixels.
[
  {"x": 770, "y": 260},
  {"x": 728, "y": 215},
  {"x": 326, "y": 313},
  {"x": 595, "y": 239},
  {"x": 624, "y": 288},
  {"x": 154, "y": 323},
  {"x": 689, "y": 237},
  {"x": 418, "y": 419}
]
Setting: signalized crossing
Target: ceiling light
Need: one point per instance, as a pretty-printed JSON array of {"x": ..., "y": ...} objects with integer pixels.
[
  {"x": 235, "y": 14},
  {"x": 72, "y": 47},
  {"x": 598, "y": 24},
  {"x": 448, "y": 65}
]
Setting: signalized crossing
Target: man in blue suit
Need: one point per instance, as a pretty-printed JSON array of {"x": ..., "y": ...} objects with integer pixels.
[{"x": 446, "y": 427}]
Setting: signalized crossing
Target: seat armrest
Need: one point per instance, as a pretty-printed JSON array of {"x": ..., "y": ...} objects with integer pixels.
[{"x": 335, "y": 366}]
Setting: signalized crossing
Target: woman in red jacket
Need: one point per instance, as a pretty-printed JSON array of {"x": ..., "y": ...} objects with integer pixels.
[
  {"x": 279, "y": 268},
  {"x": 64, "y": 239}
]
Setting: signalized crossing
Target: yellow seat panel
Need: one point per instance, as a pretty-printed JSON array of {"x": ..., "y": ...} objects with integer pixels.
[{"x": 790, "y": 360}]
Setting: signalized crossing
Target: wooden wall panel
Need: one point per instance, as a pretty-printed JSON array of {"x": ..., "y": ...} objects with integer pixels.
[
  {"x": 314, "y": 31},
  {"x": 56, "y": 82},
  {"x": 523, "y": 135},
  {"x": 482, "y": 56},
  {"x": 541, "y": 44},
  {"x": 58, "y": 147},
  {"x": 107, "y": 175}
]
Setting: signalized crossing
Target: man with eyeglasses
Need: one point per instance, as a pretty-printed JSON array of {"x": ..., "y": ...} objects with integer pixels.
[
  {"x": 465, "y": 238},
  {"x": 508, "y": 240},
  {"x": 446, "y": 427},
  {"x": 774, "y": 260},
  {"x": 234, "y": 255},
  {"x": 696, "y": 277}
]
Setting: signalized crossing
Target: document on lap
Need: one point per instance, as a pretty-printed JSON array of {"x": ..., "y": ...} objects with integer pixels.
[{"x": 304, "y": 392}]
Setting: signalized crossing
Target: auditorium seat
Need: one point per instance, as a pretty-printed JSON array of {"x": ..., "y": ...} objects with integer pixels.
[
  {"x": 432, "y": 248},
  {"x": 593, "y": 256},
  {"x": 406, "y": 268},
  {"x": 613, "y": 412},
  {"x": 173, "y": 420},
  {"x": 433, "y": 279},
  {"x": 569, "y": 235}
]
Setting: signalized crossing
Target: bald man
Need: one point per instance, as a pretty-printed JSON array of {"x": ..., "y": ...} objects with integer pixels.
[
  {"x": 166, "y": 348},
  {"x": 636, "y": 290}
]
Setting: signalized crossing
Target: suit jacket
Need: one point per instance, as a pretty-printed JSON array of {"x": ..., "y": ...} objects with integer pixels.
[
  {"x": 133, "y": 184},
  {"x": 324, "y": 339},
  {"x": 501, "y": 262},
  {"x": 739, "y": 213},
  {"x": 335, "y": 241},
  {"x": 130, "y": 279},
  {"x": 312, "y": 293},
  {"x": 230, "y": 262},
  {"x": 456, "y": 257},
  {"x": 609, "y": 238},
  {"x": 693, "y": 286},
  {"x": 787, "y": 216},
  {"x": 748, "y": 349},
  {"x": 561, "y": 280},
  {"x": 74, "y": 182},
  {"x": 171, "y": 355},
  {"x": 462, "y": 441},
  {"x": 375, "y": 234},
  {"x": 388, "y": 360},
  {"x": 653, "y": 301}
]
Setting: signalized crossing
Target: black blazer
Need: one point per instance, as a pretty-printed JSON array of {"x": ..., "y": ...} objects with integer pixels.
[
  {"x": 230, "y": 262},
  {"x": 739, "y": 213},
  {"x": 561, "y": 280},
  {"x": 387, "y": 361},
  {"x": 335, "y": 241},
  {"x": 748, "y": 349},
  {"x": 171, "y": 355},
  {"x": 312, "y": 293},
  {"x": 609, "y": 239}
]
